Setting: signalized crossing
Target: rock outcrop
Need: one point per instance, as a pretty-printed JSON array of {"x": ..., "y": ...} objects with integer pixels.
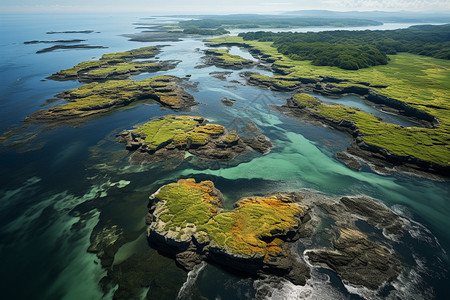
[
  {"x": 358, "y": 260},
  {"x": 170, "y": 136},
  {"x": 187, "y": 221}
]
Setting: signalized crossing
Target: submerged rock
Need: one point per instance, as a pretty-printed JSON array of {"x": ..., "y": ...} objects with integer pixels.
[
  {"x": 221, "y": 75},
  {"x": 170, "y": 136},
  {"x": 106, "y": 242},
  {"x": 227, "y": 101},
  {"x": 187, "y": 221}
]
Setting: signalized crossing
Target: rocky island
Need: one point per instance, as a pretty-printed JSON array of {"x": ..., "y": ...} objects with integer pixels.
[
  {"x": 171, "y": 136},
  {"x": 98, "y": 98},
  {"x": 221, "y": 58},
  {"x": 187, "y": 221},
  {"x": 120, "y": 65}
]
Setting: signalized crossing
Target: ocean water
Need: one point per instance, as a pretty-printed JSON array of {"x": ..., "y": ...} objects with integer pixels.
[{"x": 69, "y": 181}]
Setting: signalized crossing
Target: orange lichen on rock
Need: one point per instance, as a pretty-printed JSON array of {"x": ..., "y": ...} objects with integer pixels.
[{"x": 257, "y": 226}]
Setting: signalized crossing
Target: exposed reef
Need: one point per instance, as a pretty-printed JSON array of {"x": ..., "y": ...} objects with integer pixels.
[
  {"x": 98, "y": 98},
  {"x": 415, "y": 155},
  {"x": 187, "y": 221},
  {"x": 358, "y": 260},
  {"x": 67, "y": 47},
  {"x": 227, "y": 101},
  {"x": 221, "y": 58},
  {"x": 169, "y": 137},
  {"x": 118, "y": 65}
]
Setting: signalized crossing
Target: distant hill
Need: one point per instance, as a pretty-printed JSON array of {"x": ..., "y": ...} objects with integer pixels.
[{"x": 383, "y": 16}]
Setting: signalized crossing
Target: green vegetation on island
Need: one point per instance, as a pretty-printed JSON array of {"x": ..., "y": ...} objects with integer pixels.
[
  {"x": 118, "y": 65},
  {"x": 200, "y": 31},
  {"x": 353, "y": 50},
  {"x": 415, "y": 85},
  {"x": 178, "y": 131},
  {"x": 222, "y": 58},
  {"x": 411, "y": 141},
  {"x": 96, "y": 98},
  {"x": 188, "y": 207},
  {"x": 170, "y": 136}
]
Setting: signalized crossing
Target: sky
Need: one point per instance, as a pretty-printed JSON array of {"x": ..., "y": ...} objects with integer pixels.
[{"x": 221, "y": 7}]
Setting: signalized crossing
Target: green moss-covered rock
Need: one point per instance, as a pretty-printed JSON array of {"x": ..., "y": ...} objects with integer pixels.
[
  {"x": 188, "y": 217},
  {"x": 170, "y": 136},
  {"x": 169, "y": 129}
]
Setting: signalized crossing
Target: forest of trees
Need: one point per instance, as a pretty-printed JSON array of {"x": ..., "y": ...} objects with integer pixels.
[
  {"x": 195, "y": 30},
  {"x": 352, "y": 50}
]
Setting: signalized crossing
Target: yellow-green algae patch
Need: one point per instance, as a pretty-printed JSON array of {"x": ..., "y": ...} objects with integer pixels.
[
  {"x": 251, "y": 228},
  {"x": 418, "y": 81}
]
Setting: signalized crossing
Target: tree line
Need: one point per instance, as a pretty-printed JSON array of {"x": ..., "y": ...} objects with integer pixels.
[{"x": 253, "y": 21}]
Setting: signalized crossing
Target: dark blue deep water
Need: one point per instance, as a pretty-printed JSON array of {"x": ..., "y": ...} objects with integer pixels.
[{"x": 58, "y": 187}]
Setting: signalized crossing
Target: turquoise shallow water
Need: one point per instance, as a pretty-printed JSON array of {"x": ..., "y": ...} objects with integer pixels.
[{"x": 75, "y": 178}]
